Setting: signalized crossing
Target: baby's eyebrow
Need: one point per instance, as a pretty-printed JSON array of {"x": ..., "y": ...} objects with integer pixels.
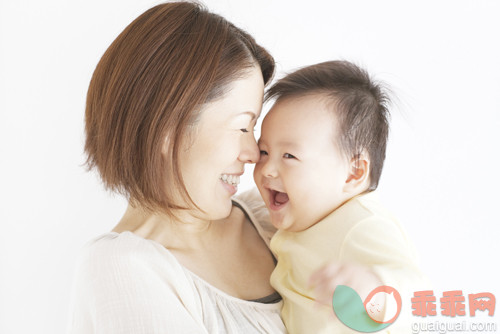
[
  {"x": 289, "y": 144},
  {"x": 283, "y": 144}
]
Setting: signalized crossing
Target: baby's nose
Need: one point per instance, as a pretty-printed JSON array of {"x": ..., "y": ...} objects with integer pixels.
[{"x": 269, "y": 168}]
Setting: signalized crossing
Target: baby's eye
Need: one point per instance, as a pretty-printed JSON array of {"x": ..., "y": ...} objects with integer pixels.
[
  {"x": 262, "y": 152},
  {"x": 288, "y": 156}
]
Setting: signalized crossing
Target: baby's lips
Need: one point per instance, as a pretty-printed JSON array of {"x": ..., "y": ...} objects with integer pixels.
[
  {"x": 392, "y": 312},
  {"x": 274, "y": 185},
  {"x": 281, "y": 197}
]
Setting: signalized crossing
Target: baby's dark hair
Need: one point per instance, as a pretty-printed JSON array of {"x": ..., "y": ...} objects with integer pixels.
[{"x": 360, "y": 104}]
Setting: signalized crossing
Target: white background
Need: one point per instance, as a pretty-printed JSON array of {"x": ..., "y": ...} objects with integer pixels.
[{"x": 441, "y": 178}]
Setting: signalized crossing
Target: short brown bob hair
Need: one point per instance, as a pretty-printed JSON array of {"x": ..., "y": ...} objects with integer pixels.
[
  {"x": 359, "y": 103},
  {"x": 150, "y": 85}
]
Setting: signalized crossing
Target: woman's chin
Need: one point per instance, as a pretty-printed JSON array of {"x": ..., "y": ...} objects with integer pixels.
[{"x": 225, "y": 208}]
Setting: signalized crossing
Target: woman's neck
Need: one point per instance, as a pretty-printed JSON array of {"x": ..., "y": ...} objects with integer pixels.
[{"x": 182, "y": 232}]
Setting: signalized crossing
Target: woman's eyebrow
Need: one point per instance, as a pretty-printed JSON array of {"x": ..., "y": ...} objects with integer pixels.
[{"x": 250, "y": 113}]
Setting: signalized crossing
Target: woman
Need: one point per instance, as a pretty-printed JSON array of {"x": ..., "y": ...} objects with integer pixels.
[{"x": 169, "y": 118}]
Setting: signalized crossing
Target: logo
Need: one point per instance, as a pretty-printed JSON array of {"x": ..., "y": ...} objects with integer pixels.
[{"x": 379, "y": 310}]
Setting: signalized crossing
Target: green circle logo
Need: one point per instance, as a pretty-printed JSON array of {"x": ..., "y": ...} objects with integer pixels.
[{"x": 379, "y": 310}]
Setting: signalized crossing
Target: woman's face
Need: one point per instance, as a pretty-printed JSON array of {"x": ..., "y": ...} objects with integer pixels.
[{"x": 214, "y": 155}]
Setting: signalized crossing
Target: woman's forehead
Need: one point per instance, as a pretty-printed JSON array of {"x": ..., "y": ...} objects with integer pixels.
[{"x": 243, "y": 98}]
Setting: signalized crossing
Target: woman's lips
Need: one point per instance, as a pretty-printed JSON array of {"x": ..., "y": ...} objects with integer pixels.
[
  {"x": 230, "y": 182},
  {"x": 232, "y": 189}
]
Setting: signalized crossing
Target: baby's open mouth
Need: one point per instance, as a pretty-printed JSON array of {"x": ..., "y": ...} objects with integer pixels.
[{"x": 278, "y": 198}]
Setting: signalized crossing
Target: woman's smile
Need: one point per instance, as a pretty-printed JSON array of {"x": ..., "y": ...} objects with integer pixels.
[{"x": 230, "y": 182}]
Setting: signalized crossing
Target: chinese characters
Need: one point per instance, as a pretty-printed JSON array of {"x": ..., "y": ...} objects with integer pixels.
[{"x": 452, "y": 303}]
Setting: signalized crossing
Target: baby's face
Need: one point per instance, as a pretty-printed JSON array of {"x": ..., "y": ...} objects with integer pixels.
[{"x": 301, "y": 173}]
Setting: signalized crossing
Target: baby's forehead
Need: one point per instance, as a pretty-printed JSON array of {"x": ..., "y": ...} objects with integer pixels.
[
  {"x": 312, "y": 103},
  {"x": 302, "y": 112},
  {"x": 295, "y": 122}
]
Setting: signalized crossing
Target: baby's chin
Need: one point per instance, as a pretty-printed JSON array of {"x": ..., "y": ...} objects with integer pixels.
[
  {"x": 288, "y": 225},
  {"x": 279, "y": 223}
]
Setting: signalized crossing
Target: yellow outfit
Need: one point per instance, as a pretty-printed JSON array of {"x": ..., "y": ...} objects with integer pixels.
[{"x": 358, "y": 232}]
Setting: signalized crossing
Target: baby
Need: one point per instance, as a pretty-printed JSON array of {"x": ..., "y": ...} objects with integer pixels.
[{"x": 322, "y": 149}]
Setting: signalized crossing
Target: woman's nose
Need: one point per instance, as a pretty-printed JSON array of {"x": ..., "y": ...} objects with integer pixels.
[{"x": 250, "y": 151}]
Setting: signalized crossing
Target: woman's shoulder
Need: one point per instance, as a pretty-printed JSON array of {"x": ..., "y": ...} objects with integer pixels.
[
  {"x": 116, "y": 265},
  {"x": 114, "y": 244},
  {"x": 118, "y": 254},
  {"x": 253, "y": 205},
  {"x": 122, "y": 280}
]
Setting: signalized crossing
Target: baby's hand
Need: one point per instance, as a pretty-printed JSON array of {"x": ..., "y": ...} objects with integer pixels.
[{"x": 358, "y": 277}]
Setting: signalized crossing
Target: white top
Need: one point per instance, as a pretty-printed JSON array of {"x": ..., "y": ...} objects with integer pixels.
[{"x": 130, "y": 285}]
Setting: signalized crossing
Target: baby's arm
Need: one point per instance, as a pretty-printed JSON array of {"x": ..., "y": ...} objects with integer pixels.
[
  {"x": 359, "y": 277},
  {"x": 375, "y": 252}
]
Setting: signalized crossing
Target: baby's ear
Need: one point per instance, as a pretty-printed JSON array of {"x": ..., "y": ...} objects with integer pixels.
[{"x": 358, "y": 177}]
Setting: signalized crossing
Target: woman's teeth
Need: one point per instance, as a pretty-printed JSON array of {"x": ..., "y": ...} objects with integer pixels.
[{"x": 230, "y": 179}]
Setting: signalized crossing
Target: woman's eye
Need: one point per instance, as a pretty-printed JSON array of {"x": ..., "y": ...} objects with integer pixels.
[
  {"x": 263, "y": 152},
  {"x": 244, "y": 130},
  {"x": 288, "y": 156}
]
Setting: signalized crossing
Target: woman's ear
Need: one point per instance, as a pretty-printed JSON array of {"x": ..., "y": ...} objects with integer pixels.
[{"x": 358, "y": 177}]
